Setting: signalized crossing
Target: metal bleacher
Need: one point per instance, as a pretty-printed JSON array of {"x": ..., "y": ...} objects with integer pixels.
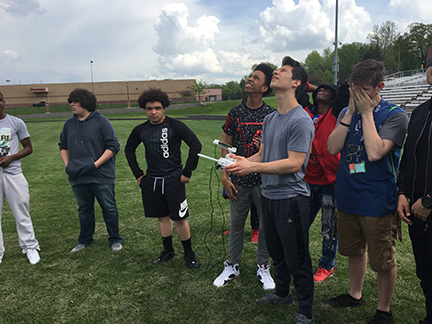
[{"x": 407, "y": 89}]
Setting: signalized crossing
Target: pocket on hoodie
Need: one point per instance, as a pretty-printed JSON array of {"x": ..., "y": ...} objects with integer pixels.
[{"x": 80, "y": 168}]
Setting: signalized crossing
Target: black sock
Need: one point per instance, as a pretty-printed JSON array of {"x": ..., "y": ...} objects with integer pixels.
[
  {"x": 389, "y": 313},
  {"x": 167, "y": 243},
  {"x": 354, "y": 299},
  {"x": 187, "y": 245},
  {"x": 282, "y": 293}
]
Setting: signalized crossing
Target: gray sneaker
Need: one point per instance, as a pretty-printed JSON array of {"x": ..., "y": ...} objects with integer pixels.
[
  {"x": 116, "y": 247},
  {"x": 78, "y": 248},
  {"x": 302, "y": 319},
  {"x": 275, "y": 299}
]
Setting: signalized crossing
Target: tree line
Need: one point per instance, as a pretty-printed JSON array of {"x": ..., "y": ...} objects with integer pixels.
[{"x": 398, "y": 52}]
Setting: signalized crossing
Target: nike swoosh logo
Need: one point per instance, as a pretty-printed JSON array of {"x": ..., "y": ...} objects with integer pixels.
[{"x": 182, "y": 212}]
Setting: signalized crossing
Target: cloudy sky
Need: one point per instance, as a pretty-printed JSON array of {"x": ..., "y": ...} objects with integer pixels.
[{"x": 53, "y": 41}]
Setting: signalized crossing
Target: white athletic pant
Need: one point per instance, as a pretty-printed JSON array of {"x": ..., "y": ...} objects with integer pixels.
[{"x": 15, "y": 188}]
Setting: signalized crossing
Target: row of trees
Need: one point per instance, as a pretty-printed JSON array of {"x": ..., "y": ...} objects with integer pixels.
[
  {"x": 230, "y": 91},
  {"x": 399, "y": 52},
  {"x": 196, "y": 89}
]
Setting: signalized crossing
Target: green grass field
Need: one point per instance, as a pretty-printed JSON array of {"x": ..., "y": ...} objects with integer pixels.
[{"x": 97, "y": 285}]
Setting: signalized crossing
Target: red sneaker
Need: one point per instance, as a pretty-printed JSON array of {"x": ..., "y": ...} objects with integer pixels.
[
  {"x": 323, "y": 274},
  {"x": 254, "y": 236},
  {"x": 226, "y": 232}
]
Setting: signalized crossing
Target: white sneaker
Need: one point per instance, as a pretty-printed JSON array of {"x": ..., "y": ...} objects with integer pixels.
[
  {"x": 78, "y": 248},
  {"x": 116, "y": 247},
  {"x": 230, "y": 272},
  {"x": 33, "y": 256},
  {"x": 264, "y": 276}
]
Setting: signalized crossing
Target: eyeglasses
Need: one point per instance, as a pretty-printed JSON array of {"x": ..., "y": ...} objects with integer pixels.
[{"x": 429, "y": 62}]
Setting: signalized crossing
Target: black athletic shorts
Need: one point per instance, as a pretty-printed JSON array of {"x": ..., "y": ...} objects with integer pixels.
[{"x": 164, "y": 197}]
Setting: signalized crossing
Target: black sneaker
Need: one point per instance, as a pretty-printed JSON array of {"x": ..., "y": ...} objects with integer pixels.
[
  {"x": 427, "y": 320},
  {"x": 192, "y": 261},
  {"x": 272, "y": 298},
  {"x": 345, "y": 300},
  {"x": 380, "y": 318},
  {"x": 165, "y": 256}
]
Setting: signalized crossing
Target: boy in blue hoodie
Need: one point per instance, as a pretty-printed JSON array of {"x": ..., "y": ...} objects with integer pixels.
[{"x": 88, "y": 144}]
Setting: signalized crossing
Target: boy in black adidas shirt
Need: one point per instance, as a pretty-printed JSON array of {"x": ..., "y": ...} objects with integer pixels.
[{"x": 163, "y": 186}]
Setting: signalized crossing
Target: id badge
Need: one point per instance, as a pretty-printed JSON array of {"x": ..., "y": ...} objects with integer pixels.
[{"x": 357, "y": 168}]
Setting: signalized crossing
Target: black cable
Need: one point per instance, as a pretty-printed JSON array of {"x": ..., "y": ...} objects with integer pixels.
[{"x": 215, "y": 170}]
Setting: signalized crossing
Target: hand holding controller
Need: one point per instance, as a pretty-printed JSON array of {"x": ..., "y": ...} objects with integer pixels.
[{"x": 222, "y": 162}]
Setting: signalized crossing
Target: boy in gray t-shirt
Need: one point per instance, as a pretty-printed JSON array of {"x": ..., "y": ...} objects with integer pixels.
[
  {"x": 282, "y": 160},
  {"x": 13, "y": 184},
  {"x": 282, "y": 133}
]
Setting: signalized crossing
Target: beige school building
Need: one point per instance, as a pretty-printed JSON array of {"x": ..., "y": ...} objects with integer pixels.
[{"x": 25, "y": 95}]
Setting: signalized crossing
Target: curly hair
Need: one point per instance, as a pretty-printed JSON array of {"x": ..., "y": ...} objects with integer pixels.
[
  {"x": 86, "y": 99},
  {"x": 152, "y": 95}
]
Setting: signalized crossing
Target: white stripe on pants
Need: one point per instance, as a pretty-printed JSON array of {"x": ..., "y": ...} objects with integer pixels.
[{"x": 15, "y": 188}]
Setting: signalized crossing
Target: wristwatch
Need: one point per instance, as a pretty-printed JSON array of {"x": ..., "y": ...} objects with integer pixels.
[{"x": 427, "y": 202}]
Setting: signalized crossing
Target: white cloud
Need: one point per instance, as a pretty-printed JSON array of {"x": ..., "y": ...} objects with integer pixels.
[
  {"x": 184, "y": 48},
  {"x": 236, "y": 62},
  {"x": 20, "y": 7},
  {"x": 288, "y": 26},
  {"x": 310, "y": 25},
  {"x": 11, "y": 55},
  {"x": 191, "y": 63},
  {"x": 218, "y": 41},
  {"x": 410, "y": 11},
  {"x": 354, "y": 22}
]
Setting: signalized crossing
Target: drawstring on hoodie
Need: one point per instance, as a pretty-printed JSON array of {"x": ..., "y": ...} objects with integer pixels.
[{"x": 82, "y": 130}]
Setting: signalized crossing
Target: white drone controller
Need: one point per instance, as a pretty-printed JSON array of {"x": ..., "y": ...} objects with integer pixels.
[{"x": 222, "y": 162}]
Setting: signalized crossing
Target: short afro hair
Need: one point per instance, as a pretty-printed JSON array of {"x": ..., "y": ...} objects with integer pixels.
[
  {"x": 268, "y": 72},
  {"x": 86, "y": 99},
  {"x": 152, "y": 95}
]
